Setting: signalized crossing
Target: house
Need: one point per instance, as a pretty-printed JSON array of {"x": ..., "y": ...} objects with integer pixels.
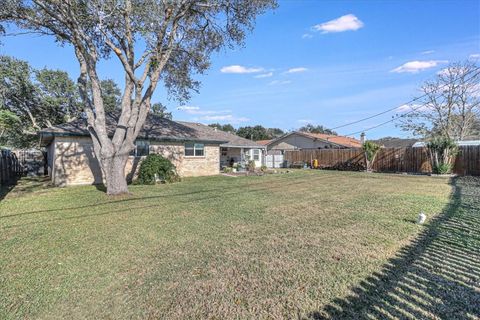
[
  {"x": 195, "y": 149},
  {"x": 305, "y": 140},
  {"x": 298, "y": 140}
]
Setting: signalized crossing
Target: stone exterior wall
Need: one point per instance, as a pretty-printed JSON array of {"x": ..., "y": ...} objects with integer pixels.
[{"x": 74, "y": 162}]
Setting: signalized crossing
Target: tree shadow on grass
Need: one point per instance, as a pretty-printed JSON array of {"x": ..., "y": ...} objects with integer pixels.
[
  {"x": 24, "y": 185},
  {"x": 436, "y": 277},
  {"x": 210, "y": 193},
  {"x": 5, "y": 189}
]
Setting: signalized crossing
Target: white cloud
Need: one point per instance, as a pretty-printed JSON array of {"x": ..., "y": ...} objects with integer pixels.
[
  {"x": 227, "y": 117},
  {"x": 188, "y": 108},
  {"x": 474, "y": 56},
  {"x": 417, "y": 66},
  {"x": 240, "y": 69},
  {"x": 264, "y": 75},
  {"x": 344, "y": 23},
  {"x": 198, "y": 111},
  {"x": 427, "y": 52},
  {"x": 296, "y": 70},
  {"x": 307, "y": 36},
  {"x": 279, "y": 82}
]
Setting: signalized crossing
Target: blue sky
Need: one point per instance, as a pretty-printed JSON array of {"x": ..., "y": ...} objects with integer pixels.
[{"x": 323, "y": 62}]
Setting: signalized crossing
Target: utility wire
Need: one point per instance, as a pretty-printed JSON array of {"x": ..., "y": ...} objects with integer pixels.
[
  {"x": 392, "y": 109},
  {"x": 391, "y": 120}
]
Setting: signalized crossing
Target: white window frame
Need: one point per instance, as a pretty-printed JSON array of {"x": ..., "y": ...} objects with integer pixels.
[
  {"x": 196, "y": 147},
  {"x": 134, "y": 152},
  {"x": 256, "y": 154}
]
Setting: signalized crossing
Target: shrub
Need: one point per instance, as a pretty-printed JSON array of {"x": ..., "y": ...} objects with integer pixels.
[
  {"x": 442, "y": 152},
  {"x": 443, "y": 168},
  {"x": 251, "y": 166},
  {"x": 155, "y": 164},
  {"x": 371, "y": 150},
  {"x": 227, "y": 170},
  {"x": 263, "y": 168}
]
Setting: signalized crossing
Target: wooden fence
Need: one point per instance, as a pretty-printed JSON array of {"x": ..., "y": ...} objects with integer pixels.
[
  {"x": 411, "y": 160},
  {"x": 10, "y": 168}
]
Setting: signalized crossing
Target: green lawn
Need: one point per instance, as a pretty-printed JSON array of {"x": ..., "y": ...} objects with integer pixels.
[{"x": 306, "y": 244}]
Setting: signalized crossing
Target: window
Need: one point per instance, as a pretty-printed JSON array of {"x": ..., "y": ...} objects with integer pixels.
[
  {"x": 256, "y": 154},
  {"x": 142, "y": 148},
  {"x": 194, "y": 149}
]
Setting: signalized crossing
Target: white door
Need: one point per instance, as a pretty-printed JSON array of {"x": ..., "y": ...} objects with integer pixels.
[
  {"x": 256, "y": 155},
  {"x": 274, "y": 161}
]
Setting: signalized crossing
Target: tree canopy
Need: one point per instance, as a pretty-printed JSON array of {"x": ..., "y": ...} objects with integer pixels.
[
  {"x": 316, "y": 129},
  {"x": 38, "y": 99},
  {"x": 259, "y": 132},
  {"x": 224, "y": 127},
  {"x": 449, "y": 106}
]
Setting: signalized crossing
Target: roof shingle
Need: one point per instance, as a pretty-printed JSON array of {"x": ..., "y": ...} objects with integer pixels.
[{"x": 155, "y": 128}]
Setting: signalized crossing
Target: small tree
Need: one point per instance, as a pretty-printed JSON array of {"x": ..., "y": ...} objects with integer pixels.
[
  {"x": 442, "y": 152},
  {"x": 449, "y": 106},
  {"x": 370, "y": 150}
]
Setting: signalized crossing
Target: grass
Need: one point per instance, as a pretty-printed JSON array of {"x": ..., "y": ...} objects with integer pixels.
[{"x": 307, "y": 244}]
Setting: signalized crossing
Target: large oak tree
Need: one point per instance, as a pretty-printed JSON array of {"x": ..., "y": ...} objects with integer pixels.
[{"x": 155, "y": 41}]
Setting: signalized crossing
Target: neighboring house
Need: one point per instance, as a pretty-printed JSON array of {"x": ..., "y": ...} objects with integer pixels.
[
  {"x": 298, "y": 140},
  {"x": 195, "y": 149},
  {"x": 264, "y": 142},
  {"x": 464, "y": 143},
  {"x": 236, "y": 150},
  {"x": 304, "y": 140}
]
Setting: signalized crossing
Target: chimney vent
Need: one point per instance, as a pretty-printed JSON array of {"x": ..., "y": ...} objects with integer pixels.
[{"x": 362, "y": 138}]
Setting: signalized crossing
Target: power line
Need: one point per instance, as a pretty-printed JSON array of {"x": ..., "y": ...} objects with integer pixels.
[
  {"x": 392, "y": 109},
  {"x": 393, "y": 119}
]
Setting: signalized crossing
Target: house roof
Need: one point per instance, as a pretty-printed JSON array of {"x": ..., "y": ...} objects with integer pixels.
[
  {"x": 342, "y": 141},
  {"x": 264, "y": 142},
  {"x": 155, "y": 128},
  {"x": 395, "y": 142},
  {"x": 232, "y": 139},
  {"x": 338, "y": 140}
]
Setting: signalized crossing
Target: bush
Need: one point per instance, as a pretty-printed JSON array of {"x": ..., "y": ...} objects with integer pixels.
[
  {"x": 443, "y": 168},
  {"x": 251, "y": 166},
  {"x": 370, "y": 149},
  {"x": 442, "y": 152},
  {"x": 263, "y": 168},
  {"x": 227, "y": 170},
  {"x": 155, "y": 164}
]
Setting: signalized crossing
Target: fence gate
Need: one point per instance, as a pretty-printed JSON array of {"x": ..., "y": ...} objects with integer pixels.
[
  {"x": 274, "y": 161},
  {"x": 33, "y": 161}
]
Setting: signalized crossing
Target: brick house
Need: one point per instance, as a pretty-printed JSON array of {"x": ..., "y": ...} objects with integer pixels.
[{"x": 195, "y": 149}]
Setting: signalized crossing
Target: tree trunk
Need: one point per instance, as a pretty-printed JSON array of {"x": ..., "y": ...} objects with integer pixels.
[{"x": 114, "y": 170}]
